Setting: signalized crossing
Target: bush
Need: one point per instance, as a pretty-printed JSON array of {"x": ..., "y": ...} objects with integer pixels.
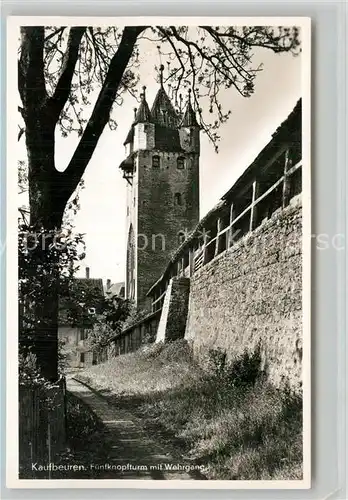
[
  {"x": 242, "y": 371},
  {"x": 245, "y": 371}
]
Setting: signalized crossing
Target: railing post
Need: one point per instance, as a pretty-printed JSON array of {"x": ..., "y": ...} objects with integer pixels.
[
  {"x": 286, "y": 183},
  {"x": 191, "y": 261},
  {"x": 229, "y": 233},
  {"x": 205, "y": 242},
  {"x": 217, "y": 241},
  {"x": 253, "y": 210}
]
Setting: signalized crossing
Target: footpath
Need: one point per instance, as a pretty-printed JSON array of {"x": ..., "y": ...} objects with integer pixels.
[{"x": 134, "y": 454}]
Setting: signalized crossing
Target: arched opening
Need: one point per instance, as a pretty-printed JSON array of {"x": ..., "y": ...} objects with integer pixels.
[
  {"x": 180, "y": 163},
  {"x": 156, "y": 161},
  {"x": 181, "y": 237},
  {"x": 178, "y": 199}
]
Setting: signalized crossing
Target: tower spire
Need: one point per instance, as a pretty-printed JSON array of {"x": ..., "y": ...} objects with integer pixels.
[
  {"x": 161, "y": 68},
  {"x": 189, "y": 119},
  {"x": 143, "y": 113}
]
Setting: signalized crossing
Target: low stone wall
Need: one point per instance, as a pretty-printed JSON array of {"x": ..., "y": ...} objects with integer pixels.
[{"x": 252, "y": 293}]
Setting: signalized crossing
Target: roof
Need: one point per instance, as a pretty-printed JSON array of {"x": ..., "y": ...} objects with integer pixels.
[
  {"x": 128, "y": 162},
  {"x": 290, "y": 127},
  {"x": 143, "y": 114},
  {"x": 167, "y": 121},
  {"x": 116, "y": 289},
  {"x": 130, "y": 135},
  {"x": 91, "y": 283},
  {"x": 89, "y": 289},
  {"x": 167, "y": 139},
  {"x": 163, "y": 112},
  {"x": 189, "y": 119}
]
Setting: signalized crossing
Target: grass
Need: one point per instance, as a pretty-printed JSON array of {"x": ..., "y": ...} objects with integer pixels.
[{"x": 225, "y": 416}]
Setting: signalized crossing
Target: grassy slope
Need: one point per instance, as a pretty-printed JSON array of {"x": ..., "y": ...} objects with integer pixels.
[{"x": 251, "y": 432}]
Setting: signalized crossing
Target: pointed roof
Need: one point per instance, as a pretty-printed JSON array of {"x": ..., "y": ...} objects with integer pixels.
[
  {"x": 143, "y": 114},
  {"x": 163, "y": 112},
  {"x": 130, "y": 135},
  {"x": 189, "y": 119}
]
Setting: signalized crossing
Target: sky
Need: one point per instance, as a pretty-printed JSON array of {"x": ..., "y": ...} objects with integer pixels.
[{"x": 102, "y": 216}]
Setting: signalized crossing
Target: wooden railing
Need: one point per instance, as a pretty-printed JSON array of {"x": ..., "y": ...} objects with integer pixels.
[
  {"x": 158, "y": 303},
  {"x": 225, "y": 236}
]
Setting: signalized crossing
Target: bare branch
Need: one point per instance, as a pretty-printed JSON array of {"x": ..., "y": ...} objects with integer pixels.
[
  {"x": 54, "y": 33},
  {"x": 63, "y": 87},
  {"x": 20, "y": 133},
  {"x": 101, "y": 112}
]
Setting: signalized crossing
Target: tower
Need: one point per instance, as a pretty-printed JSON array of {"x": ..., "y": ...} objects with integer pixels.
[{"x": 162, "y": 173}]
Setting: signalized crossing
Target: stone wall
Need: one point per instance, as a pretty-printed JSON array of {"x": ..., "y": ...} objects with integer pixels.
[
  {"x": 253, "y": 293},
  {"x": 174, "y": 311}
]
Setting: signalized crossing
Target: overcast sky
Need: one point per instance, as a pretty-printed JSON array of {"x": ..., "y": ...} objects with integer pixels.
[{"x": 103, "y": 201}]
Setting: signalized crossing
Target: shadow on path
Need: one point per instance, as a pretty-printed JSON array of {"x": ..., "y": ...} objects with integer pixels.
[{"x": 133, "y": 454}]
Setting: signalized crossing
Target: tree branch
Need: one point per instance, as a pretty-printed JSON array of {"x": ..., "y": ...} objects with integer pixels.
[
  {"x": 31, "y": 81},
  {"x": 63, "y": 87},
  {"x": 101, "y": 112},
  {"x": 20, "y": 133},
  {"x": 54, "y": 33}
]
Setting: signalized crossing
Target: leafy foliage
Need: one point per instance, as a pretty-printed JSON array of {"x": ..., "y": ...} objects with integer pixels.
[
  {"x": 56, "y": 270},
  {"x": 244, "y": 371},
  {"x": 108, "y": 323}
]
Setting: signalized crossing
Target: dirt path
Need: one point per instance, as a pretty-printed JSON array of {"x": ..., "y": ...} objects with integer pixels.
[{"x": 133, "y": 454}]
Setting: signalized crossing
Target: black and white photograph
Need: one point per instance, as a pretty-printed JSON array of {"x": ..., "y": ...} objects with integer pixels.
[{"x": 158, "y": 195}]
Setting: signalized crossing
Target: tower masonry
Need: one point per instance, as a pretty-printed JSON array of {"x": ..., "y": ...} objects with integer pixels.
[{"x": 162, "y": 173}]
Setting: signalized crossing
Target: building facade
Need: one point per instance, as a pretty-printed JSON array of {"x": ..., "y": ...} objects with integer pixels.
[
  {"x": 162, "y": 174},
  {"x": 73, "y": 328}
]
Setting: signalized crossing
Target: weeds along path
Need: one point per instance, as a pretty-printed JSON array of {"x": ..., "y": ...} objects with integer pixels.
[{"x": 133, "y": 453}]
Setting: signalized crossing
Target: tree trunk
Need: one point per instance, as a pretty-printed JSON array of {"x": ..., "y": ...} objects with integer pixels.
[
  {"x": 49, "y": 190},
  {"x": 47, "y": 205},
  {"x": 44, "y": 343}
]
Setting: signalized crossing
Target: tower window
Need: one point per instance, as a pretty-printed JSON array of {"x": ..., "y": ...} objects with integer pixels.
[
  {"x": 180, "y": 163},
  {"x": 181, "y": 237},
  {"x": 178, "y": 199},
  {"x": 155, "y": 161}
]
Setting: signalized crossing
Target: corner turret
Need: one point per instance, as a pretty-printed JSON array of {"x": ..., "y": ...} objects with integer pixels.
[
  {"x": 144, "y": 129},
  {"x": 189, "y": 129}
]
